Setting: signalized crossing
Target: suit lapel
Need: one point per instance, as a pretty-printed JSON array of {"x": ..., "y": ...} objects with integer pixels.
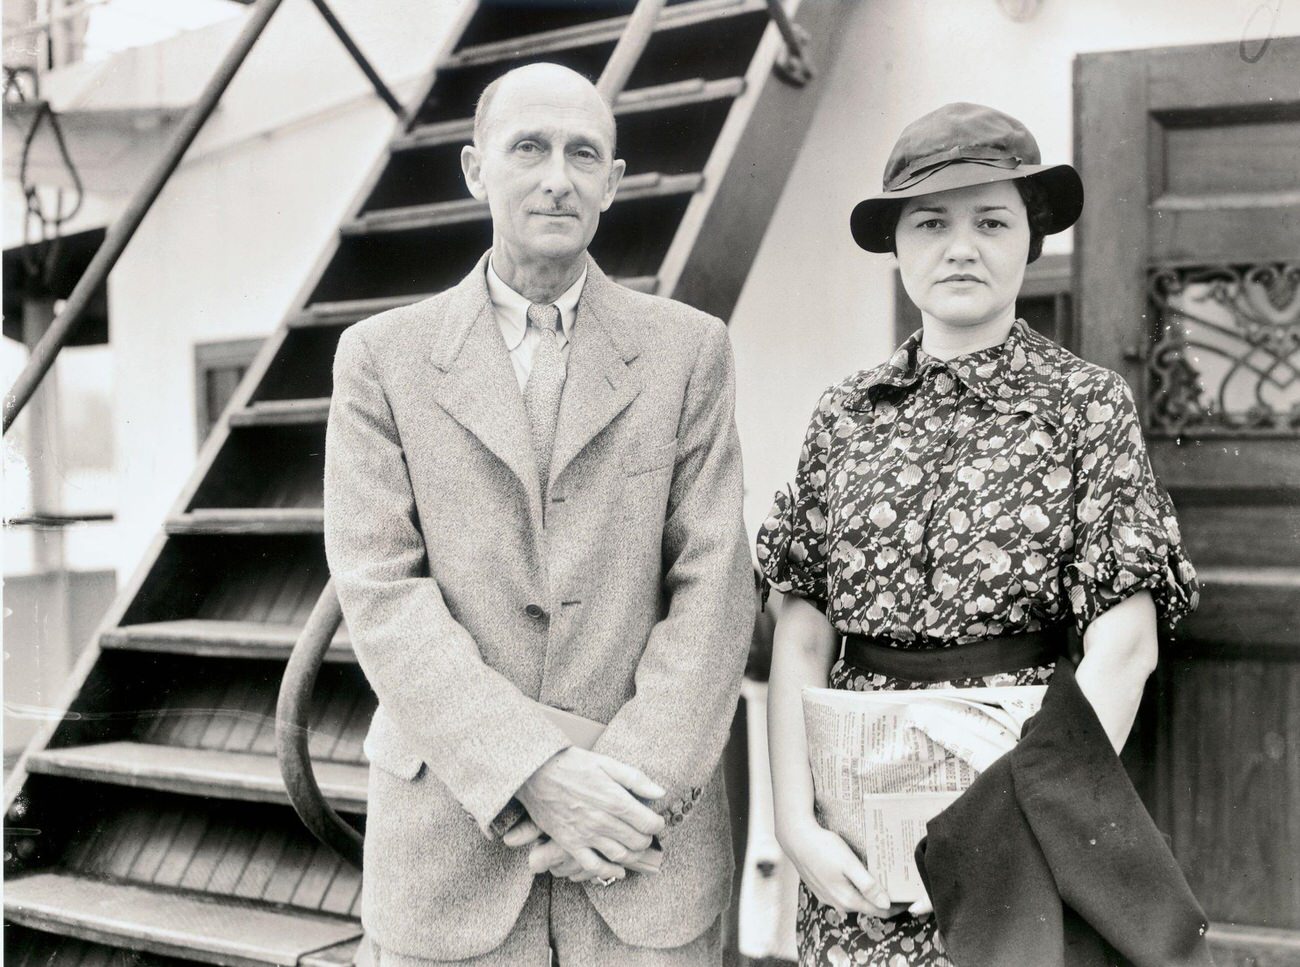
[
  {"x": 476, "y": 382},
  {"x": 599, "y": 385}
]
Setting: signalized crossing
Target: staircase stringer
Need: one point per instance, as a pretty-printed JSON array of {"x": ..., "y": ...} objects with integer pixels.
[
  {"x": 748, "y": 167},
  {"x": 217, "y": 438}
]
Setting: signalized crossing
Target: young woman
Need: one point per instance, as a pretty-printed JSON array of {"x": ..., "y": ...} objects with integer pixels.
[{"x": 956, "y": 508}]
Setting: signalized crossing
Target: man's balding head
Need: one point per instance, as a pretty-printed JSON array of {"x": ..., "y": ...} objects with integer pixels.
[
  {"x": 543, "y": 160},
  {"x": 549, "y": 77}
]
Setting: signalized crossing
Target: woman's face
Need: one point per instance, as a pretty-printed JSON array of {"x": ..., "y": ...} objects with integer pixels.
[{"x": 962, "y": 253}]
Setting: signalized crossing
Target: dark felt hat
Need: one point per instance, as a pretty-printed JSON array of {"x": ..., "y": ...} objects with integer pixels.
[{"x": 954, "y": 147}]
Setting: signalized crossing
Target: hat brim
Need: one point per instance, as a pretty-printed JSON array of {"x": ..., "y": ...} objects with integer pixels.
[{"x": 874, "y": 219}]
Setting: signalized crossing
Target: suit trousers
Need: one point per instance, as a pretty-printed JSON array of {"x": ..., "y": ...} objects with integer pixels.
[{"x": 558, "y": 927}]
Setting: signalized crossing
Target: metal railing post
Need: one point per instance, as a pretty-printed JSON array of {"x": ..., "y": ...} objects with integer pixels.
[
  {"x": 631, "y": 44},
  {"x": 293, "y": 732}
]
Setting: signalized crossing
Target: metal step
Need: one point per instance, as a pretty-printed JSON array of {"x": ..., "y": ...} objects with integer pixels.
[
  {"x": 219, "y": 639},
  {"x": 249, "y": 520},
  {"x": 282, "y": 412},
  {"x": 595, "y": 32},
  {"x": 656, "y": 98},
  {"x": 346, "y": 312},
  {"x": 649, "y": 185},
  {"x": 225, "y": 932},
  {"x": 197, "y": 772}
]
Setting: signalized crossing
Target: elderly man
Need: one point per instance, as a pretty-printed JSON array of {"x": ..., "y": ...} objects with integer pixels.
[{"x": 533, "y": 516}]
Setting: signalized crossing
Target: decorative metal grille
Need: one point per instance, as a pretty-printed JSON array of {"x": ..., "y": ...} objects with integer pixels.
[{"x": 1226, "y": 353}]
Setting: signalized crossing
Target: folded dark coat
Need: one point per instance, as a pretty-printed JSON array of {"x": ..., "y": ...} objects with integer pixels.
[{"x": 1050, "y": 858}]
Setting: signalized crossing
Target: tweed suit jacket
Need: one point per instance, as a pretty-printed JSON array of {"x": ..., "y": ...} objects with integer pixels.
[{"x": 628, "y": 598}]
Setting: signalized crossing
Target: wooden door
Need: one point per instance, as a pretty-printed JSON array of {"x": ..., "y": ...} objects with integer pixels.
[{"x": 1188, "y": 282}]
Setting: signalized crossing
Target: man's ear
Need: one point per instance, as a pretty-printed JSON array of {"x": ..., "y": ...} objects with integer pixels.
[
  {"x": 471, "y": 164},
  {"x": 611, "y": 186}
]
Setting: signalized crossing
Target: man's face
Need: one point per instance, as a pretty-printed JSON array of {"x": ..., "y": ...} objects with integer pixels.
[{"x": 545, "y": 164}]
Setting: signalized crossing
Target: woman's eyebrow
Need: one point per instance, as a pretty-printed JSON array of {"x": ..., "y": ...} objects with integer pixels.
[
  {"x": 937, "y": 209},
  {"x": 992, "y": 208}
]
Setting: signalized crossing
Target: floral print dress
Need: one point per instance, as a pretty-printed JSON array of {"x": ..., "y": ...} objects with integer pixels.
[{"x": 998, "y": 492}]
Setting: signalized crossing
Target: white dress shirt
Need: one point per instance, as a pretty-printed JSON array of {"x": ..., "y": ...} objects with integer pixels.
[{"x": 511, "y": 311}]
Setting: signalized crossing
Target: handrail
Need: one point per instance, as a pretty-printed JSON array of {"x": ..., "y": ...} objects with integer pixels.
[
  {"x": 793, "y": 65},
  {"x": 291, "y": 728},
  {"x": 350, "y": 46},
  {"x": 293, "y": 732},
  {"x": 123, "y": 230}
]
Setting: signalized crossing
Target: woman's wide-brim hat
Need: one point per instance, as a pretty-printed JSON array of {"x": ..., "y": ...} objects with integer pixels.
[{"x": 957, "y": 146}]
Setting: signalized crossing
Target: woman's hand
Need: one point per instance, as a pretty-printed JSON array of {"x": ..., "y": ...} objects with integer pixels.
[{"x": 834, "y": 873}]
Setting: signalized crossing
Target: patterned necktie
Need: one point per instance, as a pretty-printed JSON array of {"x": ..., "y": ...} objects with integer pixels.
[{"x": 544, "y": 387}]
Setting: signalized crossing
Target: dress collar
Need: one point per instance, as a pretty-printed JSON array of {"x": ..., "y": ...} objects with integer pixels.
[
  {"x": 1022, "y": 374},
  {"x": 512, "y": 309}
]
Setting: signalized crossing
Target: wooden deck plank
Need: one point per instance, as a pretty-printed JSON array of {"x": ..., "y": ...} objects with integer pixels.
[
  {"x": 189, "y": 713},
  {"x": 181, "y": 850},
  {"x": 200, "y": 772},
  {"x": 354, "y": 731},
  {"x": 266, "y": 856},
  {"x": 225, "y": 714},
  {"x": 232, "y": 934},
  {"x": 132, "y": 832},
  {"x": 289, "y": 872},
  {"x": 331, "y": 704},
  {"x": 294, "y": 587},
  {"x": 344, "y": 896},
  {"x": 206, "y": 857},
  {"x": 316, "y": 881},
  {"x": 234, "y": 860},
  {"x": 347, "y": 311},
  {"x": 146, "y": 865},
  {"x": 251, "y": 724},
  {"x": 243, "y": 694},
  {"x": 214, "y": 638}
]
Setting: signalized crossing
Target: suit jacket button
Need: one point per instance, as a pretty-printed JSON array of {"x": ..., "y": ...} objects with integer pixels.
[{"x": 535, "y": 611}]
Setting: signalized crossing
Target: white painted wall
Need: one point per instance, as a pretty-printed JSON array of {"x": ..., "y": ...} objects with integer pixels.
[{"x": 816, "y": 307}]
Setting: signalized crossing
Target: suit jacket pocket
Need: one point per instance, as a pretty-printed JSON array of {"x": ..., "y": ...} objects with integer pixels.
[
  {"x": 386, "y": 749},
  {"x": 645, "y": 459}
]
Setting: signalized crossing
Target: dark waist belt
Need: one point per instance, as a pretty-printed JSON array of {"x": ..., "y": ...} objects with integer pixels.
[{"x": 935, "y": 662}]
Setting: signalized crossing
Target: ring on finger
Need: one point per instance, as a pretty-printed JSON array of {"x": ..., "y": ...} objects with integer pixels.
[{"x": 605, "y": 880}]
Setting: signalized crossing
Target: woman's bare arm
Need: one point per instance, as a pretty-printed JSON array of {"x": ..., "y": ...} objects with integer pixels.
[
  {"x": 1120, "y": 652},
  {"x": 803, "y": 649}
]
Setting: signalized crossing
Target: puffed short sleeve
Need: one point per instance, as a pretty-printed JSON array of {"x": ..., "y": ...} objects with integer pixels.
[
  {"x": 793, "y": 542},
  {"x": 1126, "y": 536}
]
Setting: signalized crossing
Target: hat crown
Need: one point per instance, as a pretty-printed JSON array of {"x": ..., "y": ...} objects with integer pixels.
[{"x": 955, "y": 133}]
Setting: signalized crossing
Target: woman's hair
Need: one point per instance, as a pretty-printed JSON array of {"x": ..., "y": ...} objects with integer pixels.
[{"x": 1038, "y": 212}]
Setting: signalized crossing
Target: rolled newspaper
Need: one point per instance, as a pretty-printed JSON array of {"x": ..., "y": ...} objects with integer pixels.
[{"x": 885, "y": 763}]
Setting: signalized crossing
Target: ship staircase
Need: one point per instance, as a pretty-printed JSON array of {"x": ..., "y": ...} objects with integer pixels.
[{"x": 149, "y": 823}]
